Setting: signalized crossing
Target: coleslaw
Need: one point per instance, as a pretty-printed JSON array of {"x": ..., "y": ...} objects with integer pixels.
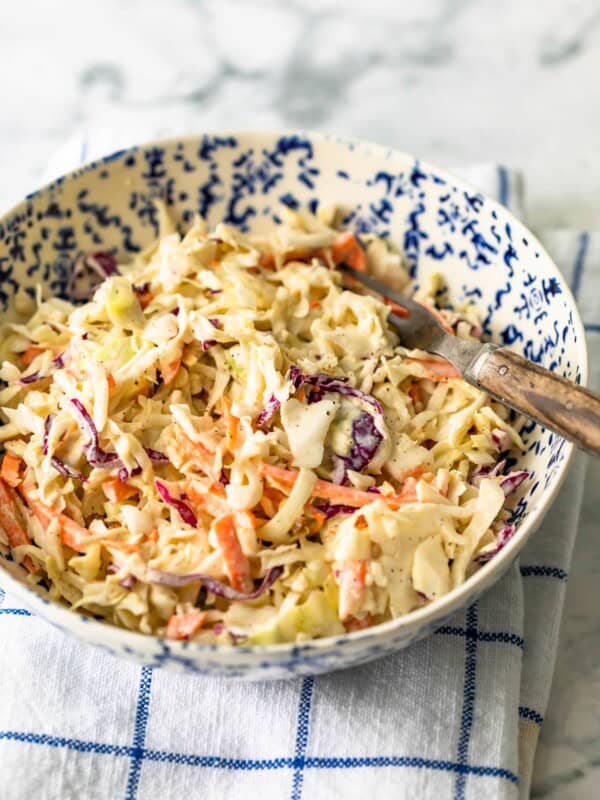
[{"x": 225, "y": 443}]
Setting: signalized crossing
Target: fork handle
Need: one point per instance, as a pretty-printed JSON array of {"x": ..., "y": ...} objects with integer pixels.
[{"x": 556, "y": 403}]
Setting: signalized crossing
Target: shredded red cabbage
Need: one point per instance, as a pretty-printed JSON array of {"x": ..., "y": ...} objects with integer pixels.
[
  {"x": 142, "y": 288},
  {"x": 47, "y": 425},
  {"x": 34, "y": 377},
  {"x": 124, "y": 474},
  {"x": 366, "y": 438},
  {"x": 156, "y": 456},
  {"x": 502, "y": 439},
  {"x": 208, "y": 343},
  {"x": 88, "y": 272},
  {"x": 268, "y": 412},
  {"x": 323, "y": 383},
  {"x": 513, "y": 480},
  {"x": 93, "y": 452},
  {"x": 128, "y": 582},
  {"x": 182, "y": 508},
  {"x": 331, "y": 510},
  {"x": 216, "y": 323},
  {"x": 66, "y": 470},
  {"x": 504, "y": 535},
  {"x": 212, "y": 584},
  {"x": 486, "y": 471}
]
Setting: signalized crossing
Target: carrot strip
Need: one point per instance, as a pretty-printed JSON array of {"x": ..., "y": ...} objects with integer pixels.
[
  {"x": 236, "y": 563},
  {"x": 111, "y": 383},
  {"x": 169, "y": 369},
  {"x": 32, "y": 352},
  {"x": 415, "y": 393},
  {"x": 354, "y": 624},
  {"x": 116, "y": 490},
  {"x": 347, "y": 248},
  {"x": 145, "y": 298},
  {"x": 71, "y": 534},
  {"x": 183, "y": 626},
  {"x": 439, "y": 316},
  {"x": 9, "y": 521},
  {"x": 436, "y": 371},
  {"x": 198, "y": 456},
  {"x": 398, "y": 310},
  {"x": 351, "y": 578},
  {"x": 344, "y": 495},
  {"x": 267, "y": 260},
  {"x": 11, "y": 466}
]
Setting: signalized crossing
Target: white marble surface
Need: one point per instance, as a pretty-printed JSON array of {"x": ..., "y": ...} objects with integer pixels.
[{"x": 451, "y": 80}]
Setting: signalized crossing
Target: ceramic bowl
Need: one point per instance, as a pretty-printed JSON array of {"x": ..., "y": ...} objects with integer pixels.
[{"x": 242, "y": 178}]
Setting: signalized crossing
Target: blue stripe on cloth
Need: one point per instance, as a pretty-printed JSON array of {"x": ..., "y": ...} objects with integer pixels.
[
  {"x": 18, "y": 612},
  {"x": 502, "y": 637},
  {"x": 139, "y": 733},
  {"x": 219, "y": 762},
  {"x": 470, "y": 682},
  {"x": 2, "y": 595},
  {"x": 302, "y": 728},
  {"x": 503, "y": 185},
  {"x": 79, "y": 745},
  {"x": 592, "y": 327},
  {"x": 579, "y": 263},
  {"x": 544, "y": 572},
  {"x": 530, "y": 714}
]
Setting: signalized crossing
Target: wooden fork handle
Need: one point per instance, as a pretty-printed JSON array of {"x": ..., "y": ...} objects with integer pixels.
[{"x": 556, "y": 403}]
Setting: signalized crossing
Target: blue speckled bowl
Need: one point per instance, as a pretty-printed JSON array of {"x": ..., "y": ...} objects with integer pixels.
[{"x": 441, "y": 223}]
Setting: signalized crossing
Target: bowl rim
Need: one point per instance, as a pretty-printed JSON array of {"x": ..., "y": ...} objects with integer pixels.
[{"x": 439, "y": 609}]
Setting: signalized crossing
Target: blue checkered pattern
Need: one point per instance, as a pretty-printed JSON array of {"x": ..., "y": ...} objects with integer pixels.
[{"x": 441, "y": 719}]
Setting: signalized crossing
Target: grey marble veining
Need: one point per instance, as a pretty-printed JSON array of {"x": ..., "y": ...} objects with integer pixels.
[{"x": 451, "y": 80}]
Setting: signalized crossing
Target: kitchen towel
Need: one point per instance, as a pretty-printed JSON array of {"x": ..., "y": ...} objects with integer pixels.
[{"x": 455, "y": 716}]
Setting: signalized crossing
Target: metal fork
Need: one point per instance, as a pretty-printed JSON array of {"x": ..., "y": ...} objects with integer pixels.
[{"x": 554, "y": 402}]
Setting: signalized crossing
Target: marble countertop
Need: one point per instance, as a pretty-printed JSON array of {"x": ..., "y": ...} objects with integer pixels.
[{"x": 455, "y": 81}]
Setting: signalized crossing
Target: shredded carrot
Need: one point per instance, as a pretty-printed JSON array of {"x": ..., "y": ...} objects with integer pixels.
[
  {"x": 145, "y": 298},
  {"x": 209, "y": 498},
  {"x": 355, "y": 624},
  {"x": 124, "y": 547},
  {"x": 347, "y": 248},
  {"x": 72, "y": 534},
  {"x": 11, "y": 524},
  {"x": 183, "y": 626},
  {"x": 11, "y": 467},
  {"x": 351, "y": 578},
  {"x": 111, "y": 383},
  {"x": 197, "y": 455},
  {"x": 32, "y": 352},
  {"x": 398, "y": 310},
  {"x": 318, "y": 519},
  {"x": 169, "y": 369},
  {"x": 436, "y": 371},
  {"x": 439, "y": 316},
  {"x": 116, "y": 490},
  {"x": 415, "y": 393},
  {"x": 267, "y": 260},
  {"x": 236, "y": 563},
  {"x": 315, "y": 304},
  {"x": 344, "y": 495}
]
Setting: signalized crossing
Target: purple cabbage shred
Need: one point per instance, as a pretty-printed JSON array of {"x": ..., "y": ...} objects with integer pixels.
[
  {"x": 513, "y": 480},
  {"x": 212, "y": 584},
  {"x": 503, "y": 536},
  {"x": 268, "y": 412},
  {"x": 323, "y": 383},
  {"x": 182, "y": 508},
  {"x": 93, "y": 452}
]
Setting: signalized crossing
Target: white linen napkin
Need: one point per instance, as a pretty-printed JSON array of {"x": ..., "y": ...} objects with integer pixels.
[{"x": 457, "y": 715}]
